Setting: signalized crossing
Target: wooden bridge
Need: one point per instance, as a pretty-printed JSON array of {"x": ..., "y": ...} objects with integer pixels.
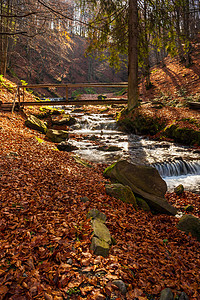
[{"x": 20, "y": 95}]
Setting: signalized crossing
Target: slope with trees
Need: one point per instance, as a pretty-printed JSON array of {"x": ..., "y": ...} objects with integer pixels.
[{"x": 162, "y": 26}]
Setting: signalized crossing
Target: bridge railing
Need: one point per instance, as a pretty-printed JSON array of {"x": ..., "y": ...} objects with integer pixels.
[{"x": 20, "y": 94}]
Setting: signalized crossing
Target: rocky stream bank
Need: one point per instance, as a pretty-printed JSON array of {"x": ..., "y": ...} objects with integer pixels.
[{"x": 46, "y": 237}]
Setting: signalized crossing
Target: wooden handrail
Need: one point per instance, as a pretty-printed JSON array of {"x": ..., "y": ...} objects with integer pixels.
[
  {"x": 74, "y": 85},
  {"x": 66, "y": 86}
]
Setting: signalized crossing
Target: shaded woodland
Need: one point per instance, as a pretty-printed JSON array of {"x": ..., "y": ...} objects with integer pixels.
[{"x": 48, "y": 197}]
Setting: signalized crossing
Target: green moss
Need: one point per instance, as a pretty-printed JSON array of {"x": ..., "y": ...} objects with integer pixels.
[
  {"x": 191, "y": 121},
  {"x": 46, "y": 111},
  {"x": 82, "y": 162},
  {"x": 121, "y": 192},
  {"x": 137, "y": 123},
  {"x": 36, "y": 124},
  {"x": 6, "y": 85},
  {"x": 183, "y": 135},
  {"x": 39, "y": 140},
  {"x": 108, "y": 169},
  {"x": 142, "y": 204}
]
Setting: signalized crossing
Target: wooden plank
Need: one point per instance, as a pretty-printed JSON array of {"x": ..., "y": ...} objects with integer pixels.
[
  {"x": 74, "y": 85},
  {"x": 74, "y": 102}
]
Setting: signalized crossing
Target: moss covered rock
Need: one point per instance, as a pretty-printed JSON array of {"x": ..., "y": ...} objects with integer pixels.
[
  {"x": 139, "y": 123},
  {"x": 121, "y": 192},
  {"x": 166, "y": 294},
  {"x": 57, "y": 136},
  {"x": 101, "y": 231},
  {"x": 142, "y": 204},
  {"x": 144, "y": 181},
  {"x": 65, "y": 120},
  {"x": 182, "y": 135},
  {"x": 96, "y": 214},
  {"x": 100, "y": 247},
  {"x": 102, "y": 240},
  {"x": 190, "y": 224},
  {"x": 36, "y": 124},
  {"x": 179, "y": 189}
]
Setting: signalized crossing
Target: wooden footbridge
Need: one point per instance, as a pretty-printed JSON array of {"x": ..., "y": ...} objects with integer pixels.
[{"x": 19, "y": 100}]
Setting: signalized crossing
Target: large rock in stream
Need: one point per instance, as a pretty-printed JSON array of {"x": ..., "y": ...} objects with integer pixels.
[
  {"x": 57, "y": 136},
  {"x": 65, "y": 120},
  {"x": 144, "y": 181}
]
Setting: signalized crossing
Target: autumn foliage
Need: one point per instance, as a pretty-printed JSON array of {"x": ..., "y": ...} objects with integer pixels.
[{"x": 45, "y": 235}]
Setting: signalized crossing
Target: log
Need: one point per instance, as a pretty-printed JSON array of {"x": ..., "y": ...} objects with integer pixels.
[{"x": 194, "y": 105}]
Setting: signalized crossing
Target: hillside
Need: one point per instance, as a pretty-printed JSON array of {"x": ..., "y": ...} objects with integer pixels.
[
  {"x": 167, "y": 103},
  {"x": 58, "y": 59},
  {"x": 173, "y": 83}
]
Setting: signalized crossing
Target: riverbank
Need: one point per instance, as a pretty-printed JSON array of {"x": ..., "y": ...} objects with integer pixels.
[{"x": 45, "y": 235}]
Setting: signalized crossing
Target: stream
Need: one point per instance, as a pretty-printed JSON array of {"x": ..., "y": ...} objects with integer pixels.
[{"x": 102, "y": 142}]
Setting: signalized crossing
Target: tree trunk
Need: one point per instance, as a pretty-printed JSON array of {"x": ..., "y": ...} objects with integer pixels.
[
  {"x": 4, "y": 42},
  {"x": 133, "y": 55},
  {"x": 186, "y": 25}
]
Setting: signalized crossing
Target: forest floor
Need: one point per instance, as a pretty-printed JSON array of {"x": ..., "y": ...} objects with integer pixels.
[{"x": 45, "y": 236}]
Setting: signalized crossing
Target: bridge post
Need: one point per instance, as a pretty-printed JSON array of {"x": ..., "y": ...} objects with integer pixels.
[
  {"x": 19, "y": 95},
  {"x": 23, "y": 94},
  {"x": 16, "y": 95},
  {"x": 67, "y": 94}
]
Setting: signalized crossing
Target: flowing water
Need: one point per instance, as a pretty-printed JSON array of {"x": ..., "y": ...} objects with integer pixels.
[{"x": 103, "y": 142}]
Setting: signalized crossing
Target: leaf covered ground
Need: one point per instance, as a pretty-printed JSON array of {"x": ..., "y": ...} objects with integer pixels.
[{"x": 45, "y": 235}]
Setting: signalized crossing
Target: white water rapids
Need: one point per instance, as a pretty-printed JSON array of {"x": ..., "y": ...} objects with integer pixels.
[{"x": 103, "y": 142}]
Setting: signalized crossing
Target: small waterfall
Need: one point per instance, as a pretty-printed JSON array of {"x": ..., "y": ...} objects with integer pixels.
[
  {"x": 95, "y": 123},
  {"x": 178, "y": 168}
]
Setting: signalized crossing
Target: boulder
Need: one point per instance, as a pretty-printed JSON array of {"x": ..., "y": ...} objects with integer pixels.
[
  {"x": 121, "y": 286},
  {"x": 100, "y": 247},
  {"x": 65, "y": 120},
  {"x": 36, "y": 124},
  {"x": 185, "y": 135},
  {"x": 144, "y": 181},
  {"x": 96, "y": 214},
  {"x": 179, "y": 189},
  {"x": 121, "y": 192},
  {"x": 189, "y": 223},
  {"x": 108, "y": 148},
  {"x": 166, "y": 294},
  {"x": 142, "y": 204},
  {"x": 101, "y": 231},
  {"x": 66, "y": 146},
  {"x": 183, "y": 296},
  {"x": 102, "y": 240},
  {"x": 57, "y": 136}
]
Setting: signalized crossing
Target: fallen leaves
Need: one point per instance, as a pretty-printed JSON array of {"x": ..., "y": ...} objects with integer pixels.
[{"x": 45, "y": 236}]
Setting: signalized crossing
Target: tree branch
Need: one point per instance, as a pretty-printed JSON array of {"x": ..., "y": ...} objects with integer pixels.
[
  {"x": 13, "y": 33},
  {"x": 18, "y": 16}
]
